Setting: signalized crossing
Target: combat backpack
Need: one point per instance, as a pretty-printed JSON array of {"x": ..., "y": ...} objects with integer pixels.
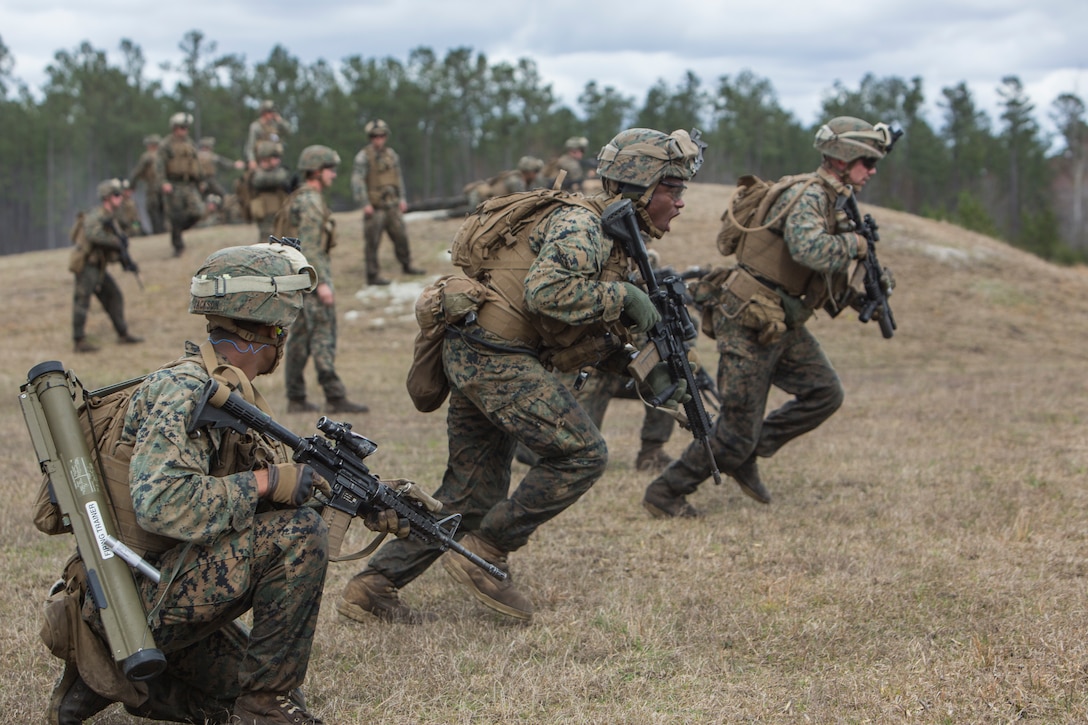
[
  {"x": 77, "y": 259},
  {"x": 102, "y": 418},
  {"x": 493, "y": 237},
  {"x": 750, "y": 203}
]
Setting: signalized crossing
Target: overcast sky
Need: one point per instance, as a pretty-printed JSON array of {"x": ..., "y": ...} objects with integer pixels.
[{"x": 801, "y": 46}]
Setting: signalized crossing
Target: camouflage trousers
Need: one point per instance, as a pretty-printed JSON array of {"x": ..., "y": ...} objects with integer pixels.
[
  {"x": 746, "y": 371},
  {"x": 389, "y": 220},
  {"x": 277, "y": 569},
  {"x": 184, "y": 208},
  {"x": 155, "y": 213},
  {"x": 96, "y": 281},
  {"x": 313, "y": 335},
  {"x": 498, "y": 399}
]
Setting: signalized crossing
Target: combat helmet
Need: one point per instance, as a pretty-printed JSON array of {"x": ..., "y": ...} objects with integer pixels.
[
  {"x": 633, "y": 163},
  {"x": 530, "y": 163},
  {"x": 181, "y": 119},
  {"x": 577, "y": 142},
  {"x": 153, "y": 139},
  {"x": 109, "y": 187},
  {"x": 377, "y": 127},
  {"x": 260, "y": 283},
  {"x": 847, "y": 138},
  {"x": 207, "y": 142},
  {"x": 267, "y": 149},
  {"x": 315, "y": 158},
  {"x": 267, "y": 106}
]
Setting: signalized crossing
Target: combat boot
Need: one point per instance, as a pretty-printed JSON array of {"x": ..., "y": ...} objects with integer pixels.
[
  {"x": 501, "y": 596},
  {"x": 271, "y": 708},
  {"x": 128, "y": 339},
  {"x": 343, "y": 405},
  {"x": 73, "y": 701},
  {"x": 663, "y": 503},
  {"x": 409, "y": 269},
  {"x": 84, "y": 346},
  {"x": 747, "y": 477},
  {"x": 377, "y": 281},
  {"x": 652, "y": 458},
  {"x": 300, "y": 405},
  {"x": 371, "y": 594}
]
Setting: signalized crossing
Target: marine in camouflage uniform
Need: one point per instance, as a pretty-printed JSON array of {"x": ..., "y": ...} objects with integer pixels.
[
  {"x": 377, "y": 184},
  {"x": 98, "y": 245},
  {"x": 145, "y": 171},
  {"x": 269, "y": 126},
  {"x": 522, "y": 178},
  {"x": 571, "y": 162},
  {"x": 210, "y": 163},
  {"x": 804, "y": 260},
  {"x": 268, "y": 187},
  {"x": 564, "y": 312},
  {"x": 178, "y": 166},
  {"x": 314, "y": 333},
  {"x": 229, "y": 508},
  {"x": 128, "y": 215}
]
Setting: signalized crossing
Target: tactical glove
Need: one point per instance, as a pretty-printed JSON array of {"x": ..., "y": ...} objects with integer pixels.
[
  {"x": 290, "y": 483},
  {"x": 638, "y": 310},
  {"x": 659, "y": 381},
  {"x": 386, "y": 521}
]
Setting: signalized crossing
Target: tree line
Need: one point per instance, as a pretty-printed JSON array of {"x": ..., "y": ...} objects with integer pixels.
[{"x": 458, "y": 118}]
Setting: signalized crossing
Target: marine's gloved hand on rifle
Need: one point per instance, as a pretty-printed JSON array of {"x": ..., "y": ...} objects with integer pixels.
[
  {"x": 386, "y": 521},
  {"x": 659, "y": 381},
  {"x": 639, "y": 313},
  {"x": 293, "y": 483}
]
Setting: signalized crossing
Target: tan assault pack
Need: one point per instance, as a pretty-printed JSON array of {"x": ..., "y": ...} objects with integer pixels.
[
  {"x": 102, "y": 419},
  {"x": 489, "y": 237},
  {"x": 77, "y": 259},
  {"x": 750, "y": 203},
  {"x": 447, "y": 300}
]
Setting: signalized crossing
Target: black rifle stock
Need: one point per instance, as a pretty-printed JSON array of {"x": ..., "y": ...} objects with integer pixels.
[
  {"x": 338, "y": 458},
  {"x": 127, "y": 262},
  {"x": 675, "y": 327},
  {"x": 876, "y": 297}
]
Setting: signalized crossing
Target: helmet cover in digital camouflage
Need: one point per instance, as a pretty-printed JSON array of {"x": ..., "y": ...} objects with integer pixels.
[
  {"x": 315, "y": 158},
  {"x": 642, "y": 156},
  {"x": 251, "y": 284},
  {"x": 530, "y": 163},
  {"x": 153, "y": 139},
  {"x": 577, "y": 142},
  {"x": 109, "y": 187},
  {"x": 377, "y": 127},
  {"x": 267, "y": 106},
  {"x": 181, "y": 119},
  {"x": 267, "y": 150},
  {"x": 847, "y": 138}
]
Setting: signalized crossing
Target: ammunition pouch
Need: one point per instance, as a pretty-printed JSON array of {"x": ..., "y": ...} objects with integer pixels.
[
  {"x": 754, "y": 305},
  {"x": 69, "y": 636},
  {"x": 446, "y": 301},
  {"x": 588, "y": 352}
]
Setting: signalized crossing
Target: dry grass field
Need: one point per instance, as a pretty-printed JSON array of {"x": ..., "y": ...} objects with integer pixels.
[{"x": 923, "y": 559}]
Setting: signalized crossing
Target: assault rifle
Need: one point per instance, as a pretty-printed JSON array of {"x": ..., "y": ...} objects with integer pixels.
[
  {"x": 672, "y": 331},
  {"x": 338, "y": 458},
  {"x": 127, "y": 262},
  {"x": 876, "y": 294}
]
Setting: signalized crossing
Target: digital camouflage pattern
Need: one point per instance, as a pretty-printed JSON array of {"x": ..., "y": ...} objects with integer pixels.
[
  {"x": 273, "y": 129},
  {"x": 805, "y": 229},
  {"x": 145, "y": 171},
  {"x": 177, "y": 163},
  {"x": 847, "y": 138},
  {"x": 269, "y": 193},
  {"x": 501, "y": 397},
  {"x": 376, "y": 181},
  {"x": 313, "y": 334},
  {"x": 794, "y": 362},
  {"x": 236, "y": 553},
  {"x": 94, "y": 280}
]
